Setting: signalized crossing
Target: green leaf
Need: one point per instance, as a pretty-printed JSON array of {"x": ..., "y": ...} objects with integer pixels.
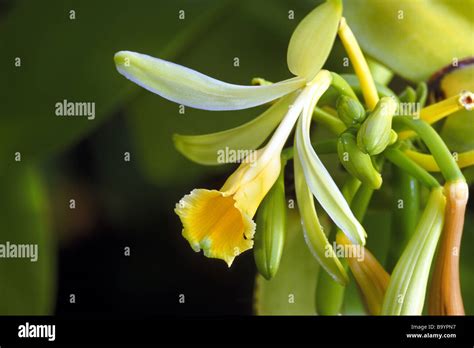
[
  {"x": 413, "y": 38},
  {"x": 204, "y": 149},
  {"x": 191, "y": 88},
  {"x": 313, "y": 39},
  {"x": 291, "y": 291},
  {"x": 28, "y": 288}
]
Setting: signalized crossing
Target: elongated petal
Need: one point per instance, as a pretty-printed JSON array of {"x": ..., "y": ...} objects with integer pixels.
[
  {"x": 313, "y": 38},
  {"x": 222, "y": 147},
  {"x": 191, "y": 88},
  {"x": 314, "y": 235},
  {"x": 407, "y": 288},
  {"x": 323, "y": 186}
]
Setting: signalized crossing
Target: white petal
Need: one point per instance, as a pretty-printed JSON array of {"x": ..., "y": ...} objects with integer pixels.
[
  {"x": 320, "y": 181},
  {"x": 314, "y": 235},
  {"x": 191, "y": 88}
]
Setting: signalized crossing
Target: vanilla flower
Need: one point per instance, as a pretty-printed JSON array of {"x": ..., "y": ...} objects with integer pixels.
[{"x": 220, "y": 222}]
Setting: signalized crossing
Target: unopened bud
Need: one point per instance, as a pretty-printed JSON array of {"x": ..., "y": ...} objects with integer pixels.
[
  {"x": 350, "y": 111},
  {"x": 374, "y": 135},
  {"x": 356, "y": 162},
  {"x": 271, "y": 230}
]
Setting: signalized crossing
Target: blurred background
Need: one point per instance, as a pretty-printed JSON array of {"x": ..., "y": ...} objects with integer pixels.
[{"x": 121, "y": 168}]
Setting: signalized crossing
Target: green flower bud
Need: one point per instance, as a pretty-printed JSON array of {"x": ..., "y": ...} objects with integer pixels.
[
  {"x": 356, "y": 162},
  {"x": 374, "y": 135},
  {"x": 350, "y": 111},
  {"x": 271, "y": 229}
]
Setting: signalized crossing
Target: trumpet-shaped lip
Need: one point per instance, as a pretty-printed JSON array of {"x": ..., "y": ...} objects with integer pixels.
[{"x": 213, "y": 223}]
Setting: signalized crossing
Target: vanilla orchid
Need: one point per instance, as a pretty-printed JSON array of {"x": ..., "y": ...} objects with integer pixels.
[{"x": 219, "y": 222}]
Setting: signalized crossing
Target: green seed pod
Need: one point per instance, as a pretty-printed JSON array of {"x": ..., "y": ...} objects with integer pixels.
[
  {"x": 271, "y": 230},
  {"x": 350, "y": 111},
  {"x": 374, "y": 135},
  {"x": 356, "y": 162}
]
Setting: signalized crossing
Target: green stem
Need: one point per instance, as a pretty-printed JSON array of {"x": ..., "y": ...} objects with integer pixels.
[
  {"x": 397, "y": 157},
  {"x": 342, "y": 87},
  {"x": 361, "y": 201},
  {"x": 333, "y": 123},
  {"x": 329, "y": 293},
  {"x": 436, "y": 145},
  {"x": 405, "y": 212},
  {"x": 382, "y": 90},
  {"x": 323, "y": 147}
]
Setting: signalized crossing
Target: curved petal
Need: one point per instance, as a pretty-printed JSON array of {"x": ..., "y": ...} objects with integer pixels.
[
  {"x": 407, "y": 288},
  {"x": 191, "y": 88},
  {"x": 314, "y": 235},
  {"x": 321, "y": 183},
  {"x": 233, "y": 145},
  {"x": 313, "y": 38}
]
